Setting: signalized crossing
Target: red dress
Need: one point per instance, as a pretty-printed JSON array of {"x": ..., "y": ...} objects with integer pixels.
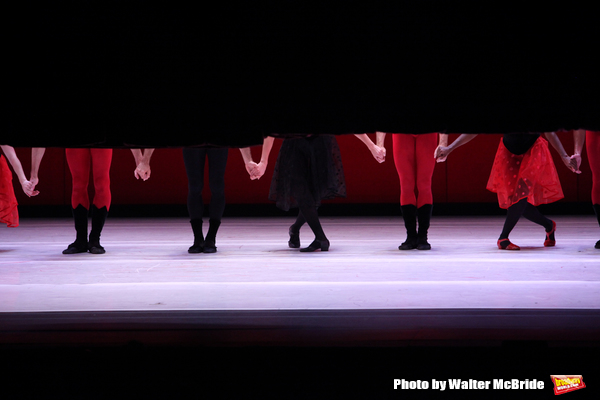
[
  {"x": 592, "y": 141},
  {"x": 8, "y": 202},
  {"x": 531, "y": 175}
]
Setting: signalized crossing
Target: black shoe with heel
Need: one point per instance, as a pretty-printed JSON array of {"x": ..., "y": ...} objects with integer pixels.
[{"x": 322, "y": 245}]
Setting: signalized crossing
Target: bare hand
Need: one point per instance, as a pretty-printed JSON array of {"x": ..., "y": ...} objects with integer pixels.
[
  {"x": 258, "y": 171},
  {"x": 251, "y": 167},
  {"x": 571, "y": 163},
  {"x": 441, "y": 153},
  {"x": 29, "y": 188},
  {"x": 577, "y": 158},
  {"x": 142, "y": 171},
  {"x": 378, "y": 153}
]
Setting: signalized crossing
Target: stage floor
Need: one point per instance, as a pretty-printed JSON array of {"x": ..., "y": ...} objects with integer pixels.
[{"x": 463, "y": 283}]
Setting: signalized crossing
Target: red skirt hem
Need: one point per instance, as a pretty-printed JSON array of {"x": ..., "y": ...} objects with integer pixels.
[{"x": 531, "y": 175}]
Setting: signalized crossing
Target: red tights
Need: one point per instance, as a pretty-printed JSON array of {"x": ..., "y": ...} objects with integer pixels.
[
  {"x": 413, "y": 157},
  {"x": 79, "y": 161},
  {"x": 592, "y": 140}
]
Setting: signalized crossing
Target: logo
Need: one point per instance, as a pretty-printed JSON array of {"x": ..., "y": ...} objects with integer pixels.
[{"x": 567, "y": 383}]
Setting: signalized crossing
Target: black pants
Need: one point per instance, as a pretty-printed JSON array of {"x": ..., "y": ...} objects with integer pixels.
[{"x": 194, "y": 160}]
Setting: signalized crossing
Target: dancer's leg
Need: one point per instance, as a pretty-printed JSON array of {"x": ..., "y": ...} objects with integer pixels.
[
  {"x": 409, "y": 214},
  {"x": 194, "y": 160},
  {"x": 312, "y": 218},
  {"x": 217, "y": 161},
  {"x": 79, "y": 165},
  {"x": 513, "y": 214},
  {"x": 592, "y": 140},
  {"x": 425, "y": 147},
  {"x": 101, "y": 160},
  {"x": 405, "y": 161},
  {"x": 425, "y": 163},
  {"x": 534, "y": 215},
  {"x": 597, "y": 211},
  {"x": 294, "y": 231},
  {"x": 424, "y": 218}
]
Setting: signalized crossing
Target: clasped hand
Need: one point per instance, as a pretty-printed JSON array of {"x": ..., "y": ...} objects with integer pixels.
[{"x": 256, "y": 171}]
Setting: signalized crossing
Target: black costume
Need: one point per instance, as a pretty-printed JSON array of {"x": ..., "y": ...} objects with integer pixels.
[
  {"x": 308, "y": 170},
  {"x": 194, "y": 160}
]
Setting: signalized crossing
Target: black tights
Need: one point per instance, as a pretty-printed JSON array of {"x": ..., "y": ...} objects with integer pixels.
[
  {"x": 194, "y": 159},
  {"x": 529, "y": 211},
  {"x": 309, "y": 214}
]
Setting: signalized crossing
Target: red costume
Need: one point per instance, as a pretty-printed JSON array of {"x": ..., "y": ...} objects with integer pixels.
[
  {"x": 414, "y": 160},
  {"x": 531, "y": 175},
  {"x": 8, "y": 202},
  {"x": 79, "y": 161},
  {"x": 592, "y": 140}
]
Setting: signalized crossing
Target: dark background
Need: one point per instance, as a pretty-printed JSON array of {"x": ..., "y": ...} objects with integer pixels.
[{"x": 116, "y": 74}]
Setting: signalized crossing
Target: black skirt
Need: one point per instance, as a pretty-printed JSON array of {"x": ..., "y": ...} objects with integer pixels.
[{"x": 308, "y": 170}]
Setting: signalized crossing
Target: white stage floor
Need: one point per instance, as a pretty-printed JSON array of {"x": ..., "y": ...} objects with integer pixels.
[
  {"x": 258, "y": 309},
  {"x": 257, "y": 291},
  {"x": 147, "y": 267}
]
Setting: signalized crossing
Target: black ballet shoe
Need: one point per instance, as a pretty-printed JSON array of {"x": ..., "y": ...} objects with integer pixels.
[
  {"x": 209, "y": 247},
  {"x": 423, "y": 244},
  {"x": 597, "y": 246},
  {"x": 294, "y": 241},
  {"x": 76, "y": 247},
  {"x": 95, "y": 248},
  {"x": 196, "y": 248},
  {"x": 424, "y": 219},
  {"x": 409, "y": 244},
  {"x": 98, "y": 220},
  {"x": 80, "y": 218},
  {"x": 322, "y": 245}
]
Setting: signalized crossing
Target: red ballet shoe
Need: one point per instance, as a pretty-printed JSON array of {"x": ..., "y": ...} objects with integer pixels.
[
  {"x": 550, "y": 242},
  {"x": 505, "y": 244}
]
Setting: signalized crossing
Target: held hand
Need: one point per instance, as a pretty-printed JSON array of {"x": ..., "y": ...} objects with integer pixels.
[
  {"x": 577, "y": 158},
  {"x": 441, "y": 153},
  {"x": 29, "y": 188},
  {"x": 259, "y": 170},
  {"x": 251, "y": 167},
  {"x": 378, "y": 153},
  {"x": 571, "y": 163},
  {"x": 142, "y": 171}
]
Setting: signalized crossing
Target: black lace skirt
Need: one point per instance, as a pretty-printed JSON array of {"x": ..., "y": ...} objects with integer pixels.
[{"x": 308, "y": 170}]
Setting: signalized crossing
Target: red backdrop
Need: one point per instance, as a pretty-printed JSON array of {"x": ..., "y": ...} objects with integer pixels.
[{"x": 462, "y": 178}]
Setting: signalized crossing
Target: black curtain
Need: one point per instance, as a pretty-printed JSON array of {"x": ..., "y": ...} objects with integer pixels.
[{"x": 118, "y": 74}]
